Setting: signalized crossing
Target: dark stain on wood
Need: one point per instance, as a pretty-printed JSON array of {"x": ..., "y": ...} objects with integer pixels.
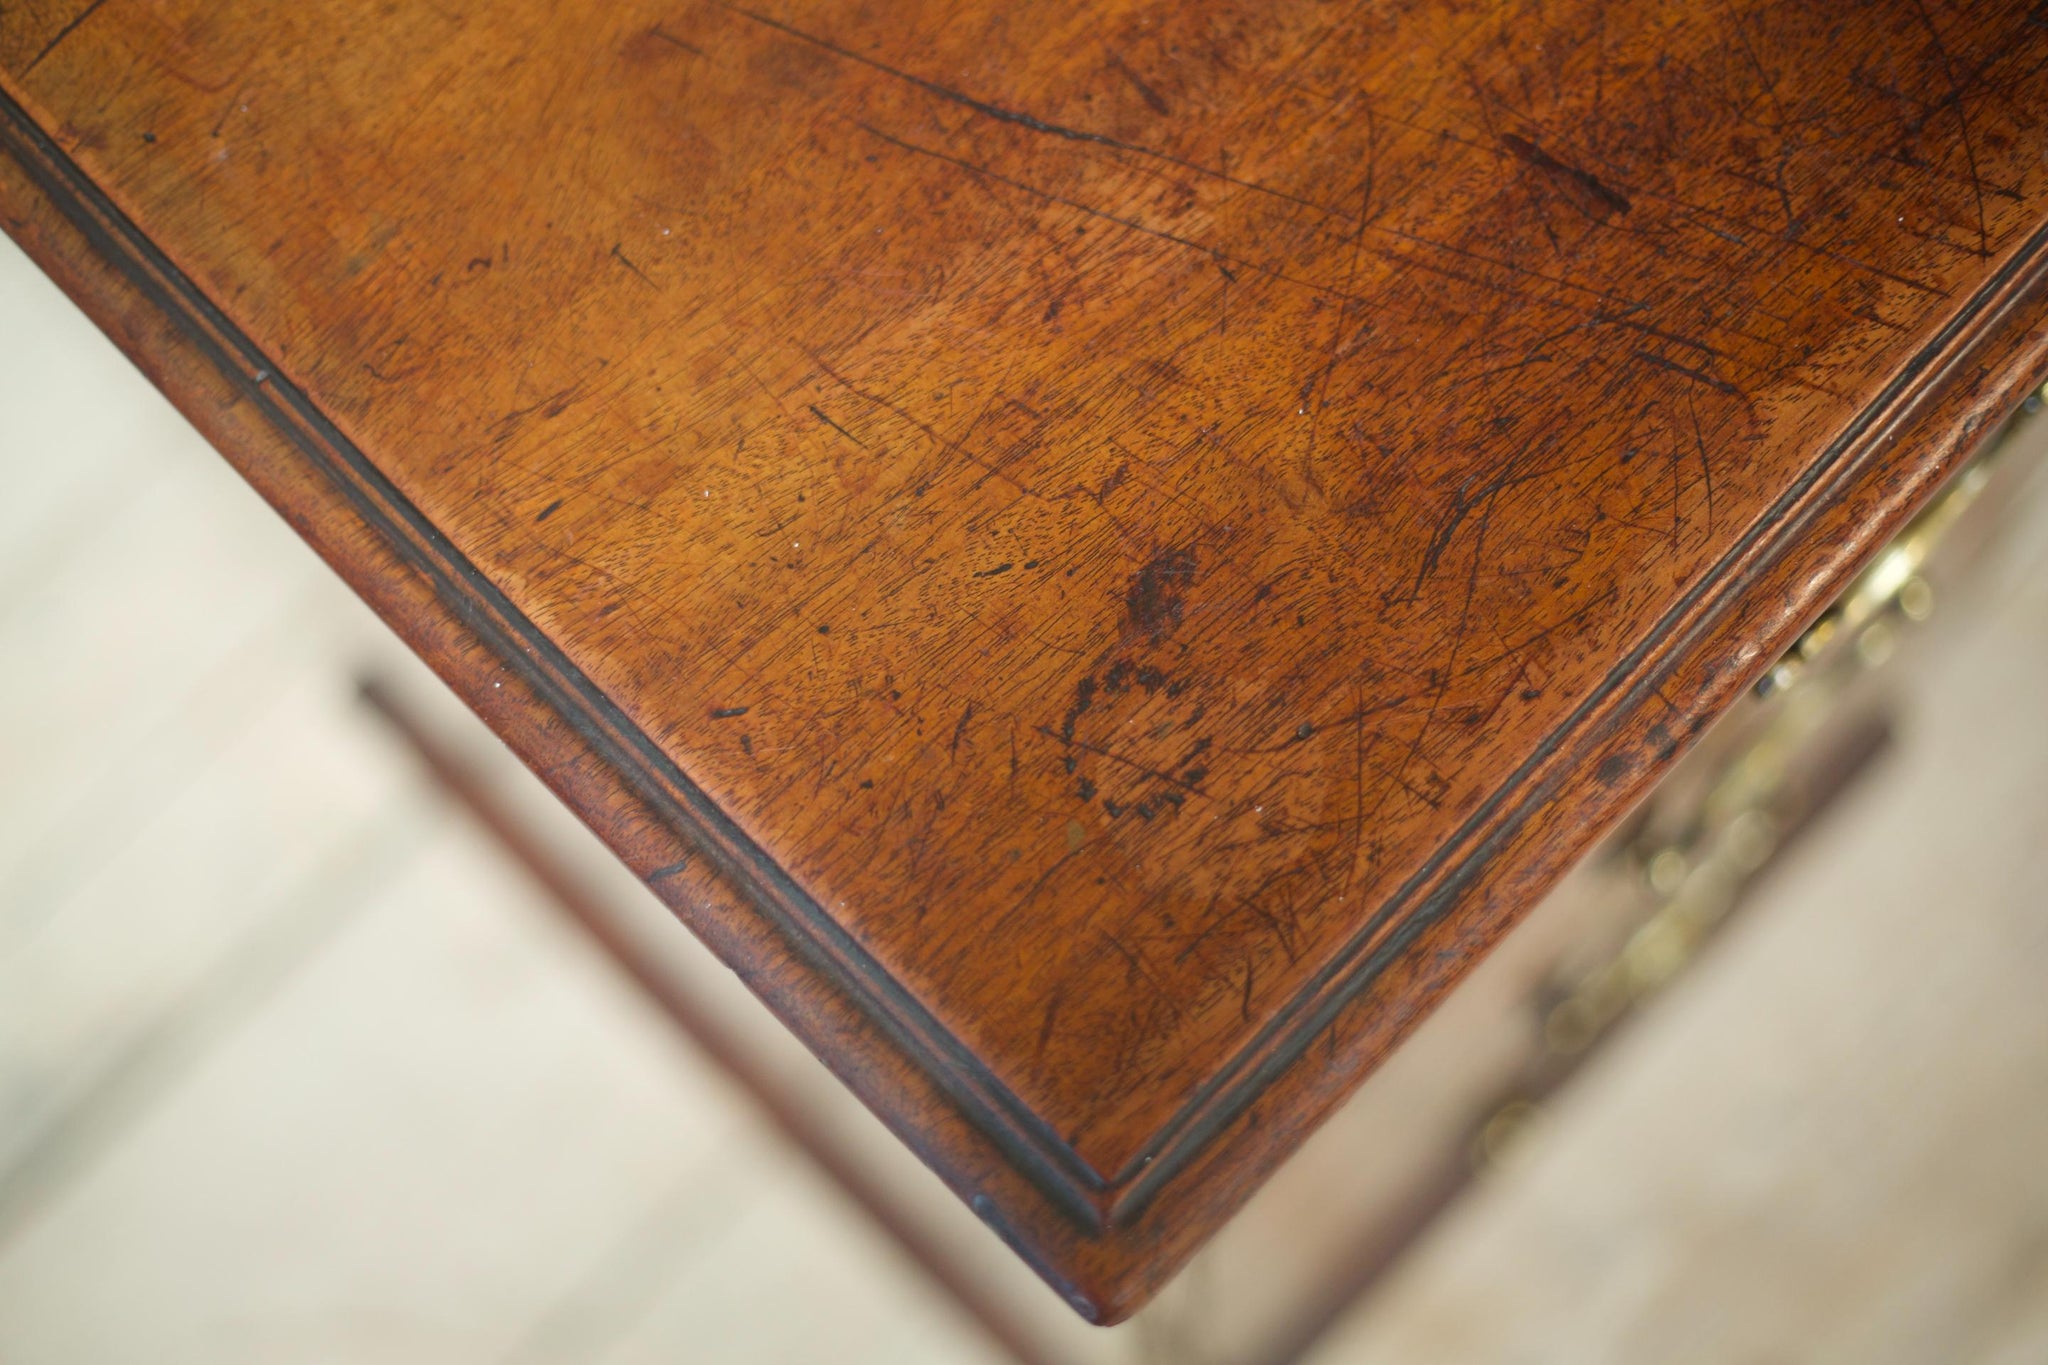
[{"x": 1158, "y": 594}]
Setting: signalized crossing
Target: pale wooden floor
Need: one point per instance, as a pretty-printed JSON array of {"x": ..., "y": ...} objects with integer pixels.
[{"x": 294, "y": 1068}]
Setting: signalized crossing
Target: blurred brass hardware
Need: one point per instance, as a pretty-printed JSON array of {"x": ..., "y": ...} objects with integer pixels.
[
  {"x": 1502, "y": 1131},
  {"x": 1762, "y": 799},
  {"x": 1689, "y": 910},
  {"x": 1699, "y": 845},
  {"x": 1893, "y": 584}
]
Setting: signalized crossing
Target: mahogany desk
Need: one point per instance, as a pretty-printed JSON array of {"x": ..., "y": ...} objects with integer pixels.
[{"x": 1099, "y": 555}]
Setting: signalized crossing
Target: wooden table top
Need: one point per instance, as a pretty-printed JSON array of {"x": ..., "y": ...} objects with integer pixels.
[{"x": 1098, "y": 554}]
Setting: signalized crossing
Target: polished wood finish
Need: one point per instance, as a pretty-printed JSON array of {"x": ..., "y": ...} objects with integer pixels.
[{"x": 1097, "y": 553}]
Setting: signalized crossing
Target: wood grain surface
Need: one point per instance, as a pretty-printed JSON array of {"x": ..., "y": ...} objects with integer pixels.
[{"x": 1097, "y": 553}]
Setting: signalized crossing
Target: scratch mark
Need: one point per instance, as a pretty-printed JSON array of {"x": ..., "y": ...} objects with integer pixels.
[
  {"x": 62, "y": 34},
  {"x": 1692, "y": 343},
  {"x": 1021, "y": 119},
  {"x": 1692, "y": 213},
  {"x": 1134, "y": 967},
  {"x": 1282, "y": 934},
  {"x": 1696, "y": 376},
  {"x": 942, "y": 442},
  {"x": 1699, "y": 438},
  {"x": 1075, "y": 204},
  {"x": 1357, "y": 786},
  {"x": 1463, "y": 503},
  {"x": 1314, "y": 399},
  {"x": 1955, "y": 99},
  {"x": 1052, "y": 1013},
  {"x": 1585, "y": 191},
  {"x": 661, "y": 34},
  {"x": 819, "y": 414},
  {"x": 620, "y": 257},
  {"x": 1145, "y": 92}
]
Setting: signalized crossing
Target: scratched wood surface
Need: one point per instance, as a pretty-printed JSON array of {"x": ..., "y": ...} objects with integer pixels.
[{"x": 1097, "y": 552}]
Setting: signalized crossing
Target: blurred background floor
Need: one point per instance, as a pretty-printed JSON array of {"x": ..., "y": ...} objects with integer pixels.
[{"x": 295, "y": 1067}]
